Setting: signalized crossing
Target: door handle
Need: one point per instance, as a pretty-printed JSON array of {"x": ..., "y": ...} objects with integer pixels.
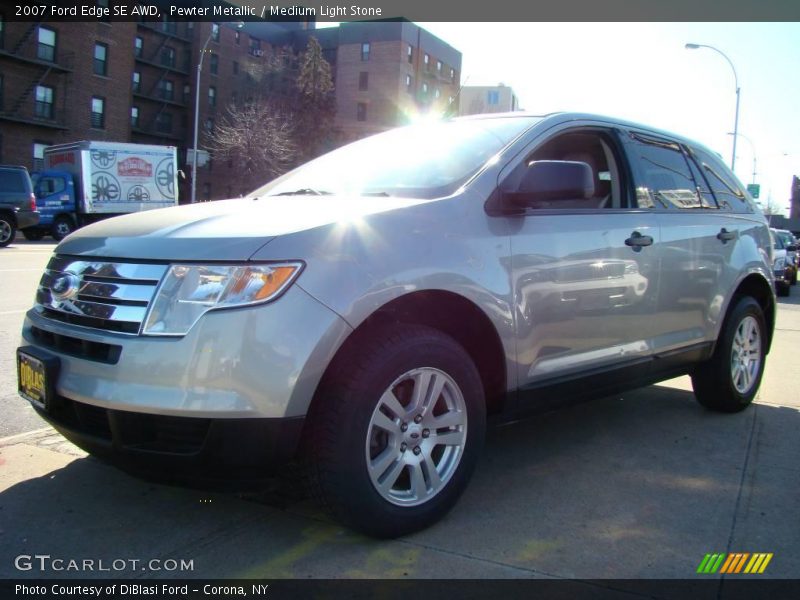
[
  {"x": 637, "y": 241},
  {"x": 725, "y": 236}
]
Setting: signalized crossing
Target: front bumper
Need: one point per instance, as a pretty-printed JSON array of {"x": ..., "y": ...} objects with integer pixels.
[
  {"x": 256, "y": 362},
  {"x": 193, "y": 451}
]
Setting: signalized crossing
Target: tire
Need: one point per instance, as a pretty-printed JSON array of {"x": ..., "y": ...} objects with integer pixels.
[
  {"x": 728, "y": 382},
  {"x": 783, "y": 290},
  {"x": 62, "y": 227},
  {"x": 33, "y": 234},
  {"x": 8, "y": 230},
  {"x": 364, "y": 465}
]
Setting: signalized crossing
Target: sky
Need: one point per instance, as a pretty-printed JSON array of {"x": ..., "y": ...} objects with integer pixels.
[{"x": 642, "y": 72}]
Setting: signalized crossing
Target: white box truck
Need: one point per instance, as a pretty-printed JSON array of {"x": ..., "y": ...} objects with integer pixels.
[{"x": 84, "y": 182}]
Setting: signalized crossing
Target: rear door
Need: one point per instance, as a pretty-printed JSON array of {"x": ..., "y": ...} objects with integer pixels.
[{"x": 700, "y": 234}]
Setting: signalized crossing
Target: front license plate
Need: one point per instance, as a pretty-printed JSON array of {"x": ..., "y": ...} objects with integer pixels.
[{"x": 34, "y": 383}]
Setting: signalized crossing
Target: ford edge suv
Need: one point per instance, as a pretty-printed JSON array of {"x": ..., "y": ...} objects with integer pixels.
[{"x": 367, "y": 312}]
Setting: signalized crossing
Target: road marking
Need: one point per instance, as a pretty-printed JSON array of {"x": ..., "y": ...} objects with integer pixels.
[{"x": 13, "y": 312}]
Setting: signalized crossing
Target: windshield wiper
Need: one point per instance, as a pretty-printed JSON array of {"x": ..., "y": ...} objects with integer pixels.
[{"x": 305, "y": 192}]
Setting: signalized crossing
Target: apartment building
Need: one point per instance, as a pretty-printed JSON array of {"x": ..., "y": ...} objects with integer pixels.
[
  {"x": 135, "y": 82},
  {"x": 481, "y": 99}
]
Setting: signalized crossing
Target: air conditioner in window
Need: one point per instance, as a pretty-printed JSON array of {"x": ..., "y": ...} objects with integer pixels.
[{"x": 257, "y": 52}]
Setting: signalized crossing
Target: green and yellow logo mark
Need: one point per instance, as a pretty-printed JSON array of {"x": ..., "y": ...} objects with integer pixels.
[{"x": 734, "y": 563}]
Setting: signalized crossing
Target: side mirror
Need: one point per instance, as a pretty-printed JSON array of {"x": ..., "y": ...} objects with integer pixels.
[{"x": 553, "y": 180}]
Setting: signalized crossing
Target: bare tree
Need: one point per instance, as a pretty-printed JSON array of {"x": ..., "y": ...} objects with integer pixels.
[
  {"x": 257, "y": 137},
  {"x": 772, "y": 206}
]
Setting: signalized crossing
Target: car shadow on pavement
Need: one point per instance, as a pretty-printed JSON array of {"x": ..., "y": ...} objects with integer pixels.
[{"x": 638, "y": 486}]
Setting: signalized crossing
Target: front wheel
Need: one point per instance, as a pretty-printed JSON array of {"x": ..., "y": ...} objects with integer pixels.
[
  {"x": 396, "y": 435},
  {"x": 62, "y": 227},
  {"x": 728, "y": 382}
]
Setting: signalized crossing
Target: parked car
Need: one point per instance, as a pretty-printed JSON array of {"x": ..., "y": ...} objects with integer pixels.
[
  {"x": 17, "y": 202},
  {"x": 790, "y": 244},
  {"x": 782, "y": 265},
  {"x": 367, "y": 312}
]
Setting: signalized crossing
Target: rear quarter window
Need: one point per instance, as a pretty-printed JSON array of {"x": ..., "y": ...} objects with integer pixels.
[{"x": 726, "y": 188}]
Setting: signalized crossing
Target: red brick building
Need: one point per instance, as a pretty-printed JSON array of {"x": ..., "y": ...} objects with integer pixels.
[{"x": 135, "y": 82}]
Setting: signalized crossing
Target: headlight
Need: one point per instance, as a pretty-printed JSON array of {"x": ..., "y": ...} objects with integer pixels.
[{"x": 187, "y": 292}]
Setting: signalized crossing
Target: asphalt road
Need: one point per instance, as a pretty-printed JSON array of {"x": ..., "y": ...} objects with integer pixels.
[{"x": 635, "y": 486}]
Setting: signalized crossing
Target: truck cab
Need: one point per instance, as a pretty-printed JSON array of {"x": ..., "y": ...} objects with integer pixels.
[{"x": 55, "y": 200}]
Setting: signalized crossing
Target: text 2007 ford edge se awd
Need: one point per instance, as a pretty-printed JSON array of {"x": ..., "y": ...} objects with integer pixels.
[{"x": 367, "y": 311}]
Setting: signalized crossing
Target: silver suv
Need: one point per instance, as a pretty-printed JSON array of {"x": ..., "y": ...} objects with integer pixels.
[{"x": 365, "y": 313}]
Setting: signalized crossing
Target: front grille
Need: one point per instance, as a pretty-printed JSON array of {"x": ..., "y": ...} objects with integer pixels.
[
  {"x": 110, "y": 296},
  {"x": 66, "y": 344}
]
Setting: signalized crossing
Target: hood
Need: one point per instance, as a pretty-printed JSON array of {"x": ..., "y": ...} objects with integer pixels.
[{"x": 219, "y": 230}]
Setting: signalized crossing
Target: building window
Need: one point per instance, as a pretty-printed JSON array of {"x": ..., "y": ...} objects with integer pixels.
[
  {"x": 214, "y": 64},
  {"x": 212, "y": 96},
  {"x": 138, "y": 47},
  {"x": 134, "y": 116},
  {"x": 425, "y": 89},
  {"x": 168, "y": 56},
  {"x": 98, "y": 112},
  {"x": 492, "y": 97},
  {"x": 43, "y": 107},
  {"x": 209, "y": 124},
  {"x": 438, "y": 67},
  {"x": 100, "y": 59},
  {"x": 215, "y": 32},
  {"x": 235, "y": 68},
  {"x": 137, "y": 82},
  {"x": 452, "y": 74},
  {"x": 365, "y": 51},
  {"x": 166, "y": 89},
  {"x": 255, "y": 47},
  {"x": 38, "y": 155},
  {"x": 237, "y": 37},
  {"x": 427, "y": 61},
  {"x": 164, "y": 122},
  {"x": 436, "y": 93},
  {"x": 46, "y": 48},
  {"x": 361, "y": 112},
  {"x": 187, "y": 91},
  {"x": 410, "y": 54},
  {"x": 169, "y": 26},
  {"x": 409, "y": 82},
  {"x": 363, "y": 81}
]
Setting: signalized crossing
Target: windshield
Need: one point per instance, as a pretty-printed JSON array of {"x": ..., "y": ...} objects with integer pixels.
[{"x": 419, "y": 161}]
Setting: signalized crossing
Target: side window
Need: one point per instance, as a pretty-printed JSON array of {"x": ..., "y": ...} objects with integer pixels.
[
  {"x": 664, "y": 179},
  {"x": 724, "y": 185}
]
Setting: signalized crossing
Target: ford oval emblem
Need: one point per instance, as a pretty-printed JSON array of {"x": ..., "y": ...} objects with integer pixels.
[{"x": 65, "y": 286}]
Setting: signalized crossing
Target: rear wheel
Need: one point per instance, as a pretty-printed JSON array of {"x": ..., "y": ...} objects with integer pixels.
[
  {"x": 728, "y": 382},
  {"x": 62, "y": 227},
  {"x": 395, "y": 436},
  {"x": 33, "y": 234},
  {"x": 8, "y": 229}
]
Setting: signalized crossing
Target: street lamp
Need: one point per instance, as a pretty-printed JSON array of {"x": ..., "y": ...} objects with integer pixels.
[
  {"x": 752, "y": 147},
  {"x": 736, "y": 81},
  {"x": 239, "y": 25}
]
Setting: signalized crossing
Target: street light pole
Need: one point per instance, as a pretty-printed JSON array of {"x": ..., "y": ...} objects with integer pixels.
[
  {"x": 752, "y": 147},
  {"x": 197, "y": 114},
  {"x": 738, "y": 89}
]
